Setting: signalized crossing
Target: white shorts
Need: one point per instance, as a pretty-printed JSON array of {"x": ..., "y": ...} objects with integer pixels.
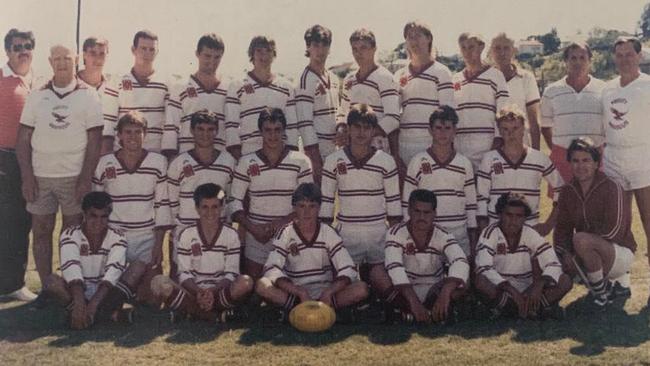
[
  {"x": 409, "y": 147},
  {"x": 365, "y": 243},
  {"x": 316, "y": 289},
  {"x": 139, "y": 245},
  {"x": 473, "y": 147},
  {"x": 460, "y": 233},
  {"x": 256, "y": 251},
  {"x": 623, "y": 258},
  {"x": 424, "y": 291},
  {"x": 628, "y": 168}
]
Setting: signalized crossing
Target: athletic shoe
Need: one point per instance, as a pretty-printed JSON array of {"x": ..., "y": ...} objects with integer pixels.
[
  {"x": 22, "y": 294},
  {"x": 620, "y": 292},
  {"x": 225, "y": 316}
]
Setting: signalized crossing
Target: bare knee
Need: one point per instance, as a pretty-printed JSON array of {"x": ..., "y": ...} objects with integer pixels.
[
  {"x": 379, "y": 278},
  {"x": 484, "y": 286},
  {"x": 361, "y": 290},
  {"x": 244, "y": 283},
  {"x": 134, "y": 273},
  {"x": 43, "y": 227},
  {"x": 263, "y": 287},
  {"x": 54, "y": 283}
]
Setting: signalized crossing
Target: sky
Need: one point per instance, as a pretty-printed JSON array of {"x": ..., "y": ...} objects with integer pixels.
[{"x": 179, "y": 24}]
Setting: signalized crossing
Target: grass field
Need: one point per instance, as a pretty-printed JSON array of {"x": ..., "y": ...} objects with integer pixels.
[{"x": 40, "y": 337}]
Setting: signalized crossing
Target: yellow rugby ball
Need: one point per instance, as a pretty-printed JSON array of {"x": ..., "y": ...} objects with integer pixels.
[{"x": 312, "y": 316}]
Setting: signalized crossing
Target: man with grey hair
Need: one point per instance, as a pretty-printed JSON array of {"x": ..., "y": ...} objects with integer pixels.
[{"x": 57, "y": 148}]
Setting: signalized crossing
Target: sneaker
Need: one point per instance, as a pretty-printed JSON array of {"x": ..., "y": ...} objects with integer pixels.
[
  {"x": 22, "y": 294},
  {"x": 495, "y": 313},
  {"x": 225, "y": 316},
  {"x": 124, "y": 315},
  {"x": 620, "y": 292}
]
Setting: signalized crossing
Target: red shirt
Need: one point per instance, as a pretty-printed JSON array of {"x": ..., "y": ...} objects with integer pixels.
[{"x": 13, "y": 92}]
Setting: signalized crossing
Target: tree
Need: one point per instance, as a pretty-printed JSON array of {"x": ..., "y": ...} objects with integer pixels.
[
  {"x": 551, "y": 41},
  {"x": 601, "y": 39},
  {"x": 644, "y": 22}
]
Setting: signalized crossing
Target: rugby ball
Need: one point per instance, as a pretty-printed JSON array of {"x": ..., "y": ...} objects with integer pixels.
[{"x": 312, "y": 316}]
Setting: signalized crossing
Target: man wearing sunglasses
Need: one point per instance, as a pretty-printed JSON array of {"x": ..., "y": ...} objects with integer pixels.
[{"x": 15, "y": 85}]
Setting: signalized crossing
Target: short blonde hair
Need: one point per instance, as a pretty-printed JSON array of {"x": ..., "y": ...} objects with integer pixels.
[{"x": 510, "y": 113}]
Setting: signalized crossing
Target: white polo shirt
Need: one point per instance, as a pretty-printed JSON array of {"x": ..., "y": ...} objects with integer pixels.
[
  {"x": 60, "y": 118},
  {"x": 523, "y": 91}
]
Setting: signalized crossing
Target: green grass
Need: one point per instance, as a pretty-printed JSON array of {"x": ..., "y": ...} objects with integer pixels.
[{"x": 40, "y": 337}]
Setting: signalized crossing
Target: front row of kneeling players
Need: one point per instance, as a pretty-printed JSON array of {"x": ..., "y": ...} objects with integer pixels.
[{"x": 425, "y": 271}]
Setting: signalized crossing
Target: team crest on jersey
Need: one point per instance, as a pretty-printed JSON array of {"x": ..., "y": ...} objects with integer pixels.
[
  {"x": 60, "y": 114},
  {"x": 456, "y": 86},
  {"x": 619, "y": 109},
  {"x": 188, "y": 170},
  {"x": 84, "y": 249},
  {"x": 191, "y": 92},
  {"x": 501, "y": 248},
  {"x": 196, "y": 249},
  {"x": 253, "y": 169},
  {"x": 425, "y": 167},
  {"x": 403, "y": 81},
  {"x": 127, "y": 85},
  {"x": 410, "y": 248},
  {"x": 320, "y": 90},
  {"x": 293, "y": 249},
  {"x": 341, "y": 167},
  {"x": 497, "y": 167},
  {"x": 110, "y": 172},
  {"x": 249, "y": 89}
]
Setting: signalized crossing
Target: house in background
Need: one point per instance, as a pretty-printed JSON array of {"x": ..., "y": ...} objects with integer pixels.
[{"x": 530, "y": 47}]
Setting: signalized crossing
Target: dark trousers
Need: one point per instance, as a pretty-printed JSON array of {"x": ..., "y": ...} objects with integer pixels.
[{"x": 15, "y": 223}]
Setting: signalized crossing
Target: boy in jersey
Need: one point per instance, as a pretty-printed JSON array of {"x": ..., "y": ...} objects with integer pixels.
[
  {"x": 450, "y": 176},
  {"x": 142, "y": 89},
  {"x": 424, "y": 85},
  {"x": 368, "y": 189},
  {"x": 252, "y": 93},
  {"x": 516, "y": 267},
  {"x": 479, "y": 91},
  {"x": 317, "y": 99},
  {"x": 95, "y": 280},
  {"x": 372, "y": 84},
  {"x": 57, "y": 149},
  {"x": 309, "y": 261},
  {"x": 594, "y": 225},
  {"x": 518, "y": 169},
  {"x": 204, "y": 90},
  {"x": 208, "y": 263},
  {"x": 136, "y": 180},
  {"x": 425, "y": 269},
  {"x": 268, "y": 176},
  {"x": 202, "y": 164}
]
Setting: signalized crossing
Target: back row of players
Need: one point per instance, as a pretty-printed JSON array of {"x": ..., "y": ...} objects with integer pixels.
[{"x": 52, "y": 141}]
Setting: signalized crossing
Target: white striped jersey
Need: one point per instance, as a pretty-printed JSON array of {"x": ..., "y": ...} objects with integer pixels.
[
  {"x": 148, "y": 98},
  {"x": 379, "y": 91},
  {"x": 368, "y": 189},
  {"x": 140, "y": 200},
  {"x": 498, "y": 261},
  {"x": 246, "y": 98},
  {"x": 498, "y": 175},
  {"x": 306, "y": 262},
  {"x": 187, "y": 100},
  {"x": 477, "y": 101},
  {"x": 270, "y": 186},
  {"x": 317, "y": 102},
  {"x": 92, "y": 267},
  {"x": 105, "y": 89},
  {"x": 573, "y": 114},
  {"x": 185, "y": 173},
  {"x": 452, "y": 182},
  {"x": 407, "y": 264},
  {"x": 208, "y": 260},
  {"x": 523, "y": 92},
  {"x": 421, "y": 94}
]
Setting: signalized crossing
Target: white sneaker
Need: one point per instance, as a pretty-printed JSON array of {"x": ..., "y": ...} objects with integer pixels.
[{"x": 22, "y": 294}]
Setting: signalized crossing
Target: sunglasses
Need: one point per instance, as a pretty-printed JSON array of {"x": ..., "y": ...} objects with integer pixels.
[{"x": 20, "y": 47}]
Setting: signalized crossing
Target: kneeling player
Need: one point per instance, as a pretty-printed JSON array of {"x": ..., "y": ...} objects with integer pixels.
[
  {"x": 208, "y": 263},
  {"x": 95, "y": 280},
  {"x": 417, "y": 253},
  {"x": 516, "y": 267},
  {"x": 308, "y": 261}
]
